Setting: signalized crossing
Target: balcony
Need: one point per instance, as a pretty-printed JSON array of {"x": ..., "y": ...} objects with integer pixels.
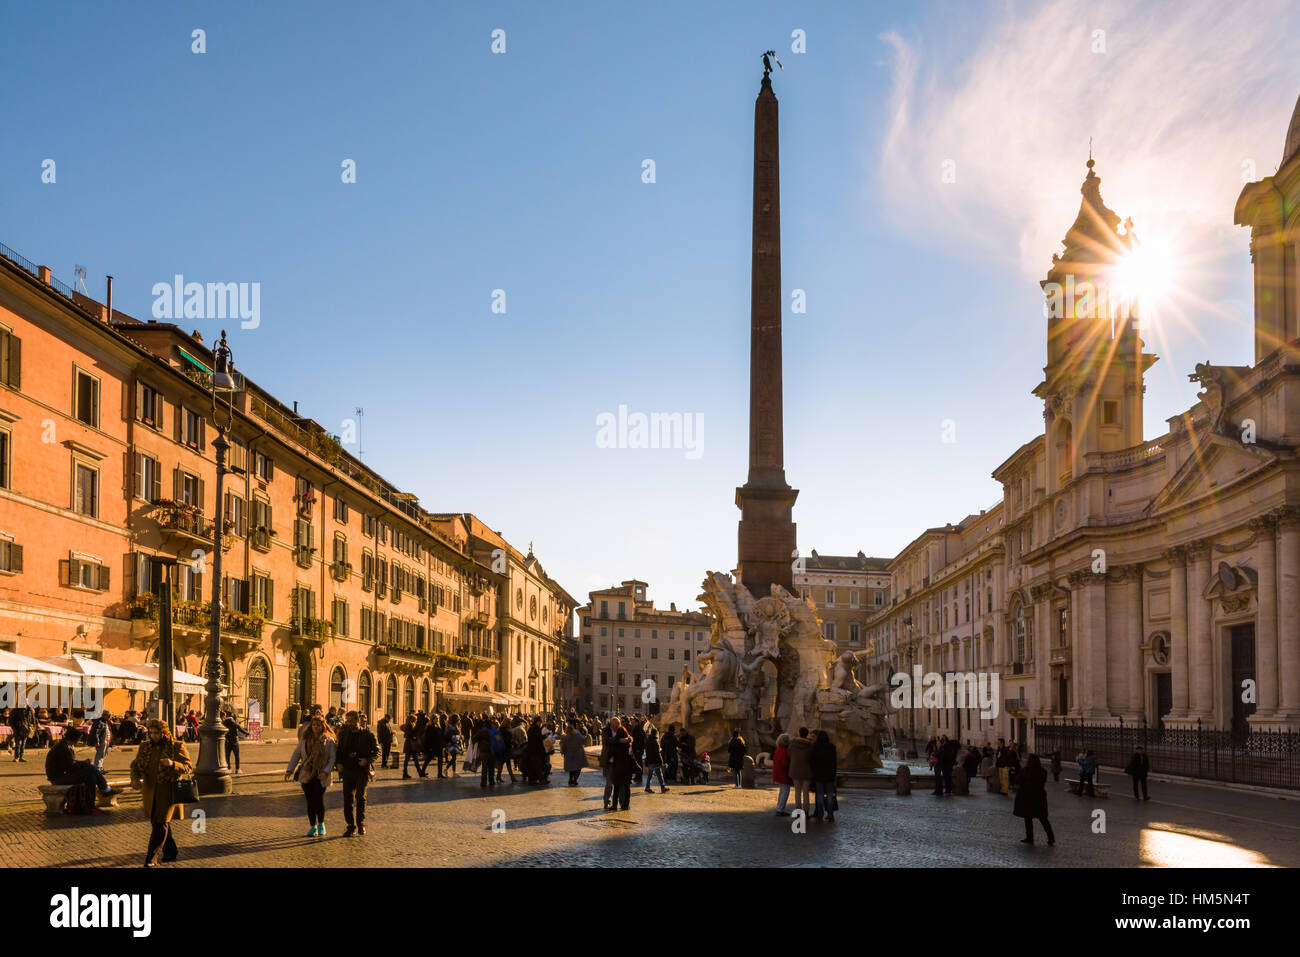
[
  {"x": 480, "y": 654},
  {"x": 478, "y": 620},
  {"x": 341, "y": 571},
  {"x": 389, "y": 654},
  {"x": 260, "y": 538},
  {"x": 310, "y": 632},
  {"x": 192, "y": 623},
  {"x": 1016, "y": 705},
  {"x": 447, "y": 666},
  {"x": 1018, "y": 667},
  {"x": 304, "y": 554},
  {"x": 1059, "y": 656},
  {"x": 184, "y": 521}
]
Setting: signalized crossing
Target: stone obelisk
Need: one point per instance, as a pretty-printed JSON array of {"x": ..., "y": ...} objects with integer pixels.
[{"x": 767, "y": 531}]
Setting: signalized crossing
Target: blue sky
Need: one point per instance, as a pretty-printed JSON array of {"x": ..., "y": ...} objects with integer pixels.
[{"x": 522, "y": 171}]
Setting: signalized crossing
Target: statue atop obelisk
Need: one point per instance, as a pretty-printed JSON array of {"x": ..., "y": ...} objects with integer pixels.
[{"x": 767, "y": 532}]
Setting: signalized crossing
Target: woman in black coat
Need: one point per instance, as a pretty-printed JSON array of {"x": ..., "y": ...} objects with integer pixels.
[
  {"x": 535, "y": 754},
  {"x": 1031, "y": 799},
  {"x": 825, "y": 768},
  {"x": 736, "y": 752}
]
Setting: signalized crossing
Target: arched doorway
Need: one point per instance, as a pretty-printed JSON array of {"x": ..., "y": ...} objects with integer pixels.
[
  {"x": 299, "y": 680},
  {"x": 338, "y": 688},
  {"x": 408, "y": 696},
  {"x": 363, "y": 694},
  {"x": 259, "y": 689},
  {"x": 390, "y": 697}
]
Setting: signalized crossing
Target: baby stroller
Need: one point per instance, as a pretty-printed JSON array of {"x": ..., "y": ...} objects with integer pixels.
[{"x": 695, "y": 770}]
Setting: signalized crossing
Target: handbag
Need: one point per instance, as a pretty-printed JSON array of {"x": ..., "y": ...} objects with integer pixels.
[{"x": 185, "y": 791}]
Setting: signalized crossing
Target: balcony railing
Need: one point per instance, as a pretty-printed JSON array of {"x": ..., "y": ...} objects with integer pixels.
[
  {"x": 1016, "y": 705},
  {"x": 185, "y": 521},
  {"x": 196, "y": 615},
  {"x": 260, "y": 538},
  {"x": 304, "y": 554},
  {"x": 1059, "y": 656},
  {"x": 310, "y": 630},
  {"x": 341, "y": 570},
  {"x": 477, "y": 620},
  {"x": 451, "y": 664}
]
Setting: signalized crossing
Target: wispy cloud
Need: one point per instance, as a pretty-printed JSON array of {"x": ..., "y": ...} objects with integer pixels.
[{"x": 1183, "y": 97}]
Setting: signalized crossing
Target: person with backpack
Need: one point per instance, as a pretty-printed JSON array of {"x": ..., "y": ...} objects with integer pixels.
[
  {"x": 159, "y": 764},
  {"x": 100, "y": 738},
  {"x": 356, "y": 749},
  {"x": 233, "y": 730}
]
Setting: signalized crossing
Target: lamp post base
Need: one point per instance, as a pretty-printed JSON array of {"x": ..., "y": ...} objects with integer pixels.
[{"x": 211, "y": 772}]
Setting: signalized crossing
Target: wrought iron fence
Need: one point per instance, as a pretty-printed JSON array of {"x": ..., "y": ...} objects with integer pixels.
[{"x": 1264, "y": 758}]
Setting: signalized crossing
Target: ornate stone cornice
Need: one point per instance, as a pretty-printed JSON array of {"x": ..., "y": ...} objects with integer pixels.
[
  {"x": 1125, "y": 573},
  {"x": 1261, "y": 527},
  {"x": 1198, "y": 549},
  {"x": 1039, "y": 592},
  {"x": 1177, "y": 555},
  {"x": 1084, "y": 576},
  {"x": 1288, "y": 517}
]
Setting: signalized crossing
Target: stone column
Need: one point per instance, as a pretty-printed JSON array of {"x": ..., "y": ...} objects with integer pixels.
[
  {"x": 1177, "y": 557},
  {"x": 1092, "y": 649},
  {"x": 1043, "y": 645},
  {"x": 1265, "y": 529},
  {"x": 1131, "y": 666},
  {"x": 1288, "y": 615},
  {"x": 1200, "y": 646}
]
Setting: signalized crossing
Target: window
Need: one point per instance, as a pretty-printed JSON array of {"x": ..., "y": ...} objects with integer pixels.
[
  {"x": 238, "y": 595},
  {"x": 854, "y": 633},
  {"x": 636, "y": 652},
  {"x": 830, "y": 631},
  {"x": 1063, "y": 628},
  {"x": 259, "y": 680},
  {"x": 340, "y": 617},
  {"x": 192, "y": 429},
  {"x": 604, "y": 650},
  {"x": 11, "y": 555},
  {"x": 1110, "y": 412},
  {"x": 604, "y": 677},
  {"x": 604, "y": 609},
  {"x": 853, "y": 598},
  {"x": 686, "y": 655},
  {"x": 148, "y": 478},
  {"x": 830, "y": 597},
  {"x": 85, "y": 490},
  {"x": 672, "y": 653},
  {"x": 5, "y": 454},
  {"x": 87, "y": 399},
  {"x": 10, "y": 359},
  {"x": 654, "y": 652},
  {"x": 340, "y": 510},
  {"x": 263, "y": 594},
  {"x": 263, "y": 466},
  {"x": 83, "y": 571},
  {"x": 189, "y": 489},
  {"x": 880, "y": 598},
  {"x": 235, "y": 515},
  {"x": 190, "y": 583},
  {"x": 148, "y": 406}
]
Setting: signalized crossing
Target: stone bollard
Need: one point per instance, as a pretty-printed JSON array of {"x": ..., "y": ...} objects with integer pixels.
[
  {"x": 747, "y": 773},
  {"x": 903, "y": 780},
  {"x": 960, "y": 783}
]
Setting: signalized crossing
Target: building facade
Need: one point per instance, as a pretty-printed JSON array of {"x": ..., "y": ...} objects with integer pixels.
[
  {"x": 633, "y": 654},
  {"x": 336, "y": 586},
  {"x": 846, "y": 590},
  {"x": 1148, "y": 582}
]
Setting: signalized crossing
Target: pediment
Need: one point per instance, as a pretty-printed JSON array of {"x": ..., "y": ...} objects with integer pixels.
[{"x": 1216, "y": 465}]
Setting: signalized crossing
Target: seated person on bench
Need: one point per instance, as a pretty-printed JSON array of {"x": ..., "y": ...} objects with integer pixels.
[{"x": 62, "y": 766}]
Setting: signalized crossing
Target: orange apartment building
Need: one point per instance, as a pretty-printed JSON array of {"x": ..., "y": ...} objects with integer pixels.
[{"x": 337, "y": 588}]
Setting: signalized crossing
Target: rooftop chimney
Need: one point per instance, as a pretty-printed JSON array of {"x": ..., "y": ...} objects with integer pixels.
[
  {"x": 45, "y": 274},
  {"x": 109, "y": 317}
]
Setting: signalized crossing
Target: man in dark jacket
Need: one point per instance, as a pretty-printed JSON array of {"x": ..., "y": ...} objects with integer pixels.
[
  {"x": 233, "y": 730},
  {"x": 638, "y": 748},
  {"x": 619, "y": 764},
  {"x": 356, "y": 751},
  {"x": 1139, "y": 766},
  {"x": 433, "y": 744},
  {"x": 21, "y": 721},
  {"x": 62, "y": 766},
  {"x": 1087, "y": 771},
  {"x": 384, "y": 734},
  {"x": 668, "y": 747}
]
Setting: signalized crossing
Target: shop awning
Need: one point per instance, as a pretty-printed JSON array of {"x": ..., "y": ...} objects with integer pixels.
[
  {"x": 15, "y": 667},
  {"x": 182, "y": 682},
  {"x": 474, "y": 697},
  {"x": 102, "y": 673}
]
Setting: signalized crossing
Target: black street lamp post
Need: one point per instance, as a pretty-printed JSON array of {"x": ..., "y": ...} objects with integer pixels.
[{"x": 212, "y": 773}]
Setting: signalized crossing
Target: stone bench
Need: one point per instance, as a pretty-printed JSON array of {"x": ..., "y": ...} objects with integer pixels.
[
  {"x": 1102, "y": 790},
  {"x": 54, "y": 794}
]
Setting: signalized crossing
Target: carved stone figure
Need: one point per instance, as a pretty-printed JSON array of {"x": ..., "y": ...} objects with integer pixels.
[{"x": 1212, "y": 395}]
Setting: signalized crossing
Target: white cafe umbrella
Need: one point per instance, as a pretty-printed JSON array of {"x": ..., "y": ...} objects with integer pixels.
[
  {"x": 182, "y": 681},
  {"x": 102, "y": 673},
  {"x": 14, "y": 667}
]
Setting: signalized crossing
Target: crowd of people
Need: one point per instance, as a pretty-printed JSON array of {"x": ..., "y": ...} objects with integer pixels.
[{"x": 333, "y": 744}]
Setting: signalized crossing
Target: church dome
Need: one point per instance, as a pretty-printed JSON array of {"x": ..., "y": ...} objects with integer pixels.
[{"x": 1292, "y": 136}]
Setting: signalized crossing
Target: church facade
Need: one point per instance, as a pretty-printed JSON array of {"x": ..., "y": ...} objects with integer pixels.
[{"x": 1149, "y": 582}]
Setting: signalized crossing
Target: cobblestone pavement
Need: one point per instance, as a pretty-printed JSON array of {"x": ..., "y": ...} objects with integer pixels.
[{"x": 428, "y": 822}]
